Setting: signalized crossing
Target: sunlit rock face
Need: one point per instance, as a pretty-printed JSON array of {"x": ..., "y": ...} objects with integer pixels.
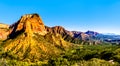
[
  {"x": 4, "y": 31},
  {"x": 29, "y": 23},
  {"x": 4, "y": 26}
]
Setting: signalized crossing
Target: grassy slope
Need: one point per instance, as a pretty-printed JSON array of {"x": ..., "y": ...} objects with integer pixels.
[
  {"x": 51, "y": 50},
  {"x": 85, "y": 55},
  {"x": 34, "y": 48}
]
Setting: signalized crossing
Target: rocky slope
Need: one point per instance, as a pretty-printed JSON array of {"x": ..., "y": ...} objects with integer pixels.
[
  {"x": 71, "y": 36},
  {"x": 66, "y": 35},
  {"x": 29, "y": 40}
]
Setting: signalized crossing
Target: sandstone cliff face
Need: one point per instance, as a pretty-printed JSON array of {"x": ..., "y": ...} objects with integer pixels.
[
  {"x": 4, "y": 31},
  {"x": 30, "y": 23}
]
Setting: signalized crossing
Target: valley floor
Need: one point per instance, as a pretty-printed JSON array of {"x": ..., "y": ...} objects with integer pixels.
[{"x": 79, "y": 55}]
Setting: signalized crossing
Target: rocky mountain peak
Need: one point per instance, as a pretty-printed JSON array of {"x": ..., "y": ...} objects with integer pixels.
[{"x": 29, "y": 23}]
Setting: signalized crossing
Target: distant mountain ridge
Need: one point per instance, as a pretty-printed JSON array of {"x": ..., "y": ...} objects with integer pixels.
[{"x": 109, "y": 34}]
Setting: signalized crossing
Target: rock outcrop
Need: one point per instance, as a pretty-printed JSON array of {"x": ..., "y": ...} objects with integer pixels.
[
  {"x": 4, "y": 31},
  {"x": 29, "y": 23},
  {"x": 57, "y": 30}
]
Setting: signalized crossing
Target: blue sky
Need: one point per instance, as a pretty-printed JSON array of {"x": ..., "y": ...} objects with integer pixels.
[{"x": 98, "y": 15}]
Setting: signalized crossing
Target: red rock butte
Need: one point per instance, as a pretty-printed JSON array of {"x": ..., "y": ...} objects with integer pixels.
[{"x": 29, "y": 23}]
